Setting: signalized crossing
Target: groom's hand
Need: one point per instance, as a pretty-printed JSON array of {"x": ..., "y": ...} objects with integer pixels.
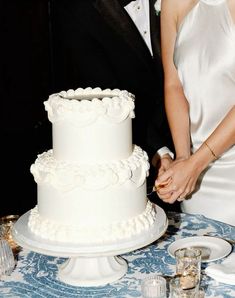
[
  {"x": 164, "y": 163},
  {"x": 161, "y": 164}
]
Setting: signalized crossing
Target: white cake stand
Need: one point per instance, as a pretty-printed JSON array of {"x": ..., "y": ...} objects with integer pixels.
[{"x": 93, "y": 265}]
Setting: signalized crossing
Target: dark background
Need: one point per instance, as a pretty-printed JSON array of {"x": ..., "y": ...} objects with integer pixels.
[{"x": 26, "y": 81}]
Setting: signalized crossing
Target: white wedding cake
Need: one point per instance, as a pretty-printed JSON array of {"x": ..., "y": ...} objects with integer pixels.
[{"x": 92, "y": 184}]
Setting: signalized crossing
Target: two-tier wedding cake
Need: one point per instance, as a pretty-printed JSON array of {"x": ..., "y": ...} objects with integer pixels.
[{"x": 92, "y": 184}]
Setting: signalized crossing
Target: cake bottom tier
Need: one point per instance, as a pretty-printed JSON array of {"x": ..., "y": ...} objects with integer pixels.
[
  {"x": 91, "y": 202},
  {"x": 96, "y": 233}
]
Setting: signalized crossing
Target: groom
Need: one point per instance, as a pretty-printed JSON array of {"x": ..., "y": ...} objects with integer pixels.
[{"x": 114, "y": 44}]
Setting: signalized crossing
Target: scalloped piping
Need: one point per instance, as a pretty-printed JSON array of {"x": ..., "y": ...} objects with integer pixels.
[
  {"x": 50, "y": 230},
  {"x": 47, "y": 169}
]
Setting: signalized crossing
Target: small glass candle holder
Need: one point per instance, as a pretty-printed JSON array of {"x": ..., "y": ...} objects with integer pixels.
[
  {"x": 153, "y": 287},
  {"x": 6, "y": 225},
  {"x": 177, "y": 291},
  {"x": 7, "y": 260},
  {"x": 188, "y": 267}
]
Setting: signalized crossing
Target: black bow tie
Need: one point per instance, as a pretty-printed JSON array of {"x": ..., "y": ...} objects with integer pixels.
[{"x": 125, "y": 2}]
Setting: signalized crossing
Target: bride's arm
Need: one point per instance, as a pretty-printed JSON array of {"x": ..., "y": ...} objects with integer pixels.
[
  {"x": 175, "y": 102},
  {"x": 184, "y": 174}
]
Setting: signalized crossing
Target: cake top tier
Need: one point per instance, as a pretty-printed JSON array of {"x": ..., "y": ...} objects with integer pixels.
[{"x": 116, "y": 104}]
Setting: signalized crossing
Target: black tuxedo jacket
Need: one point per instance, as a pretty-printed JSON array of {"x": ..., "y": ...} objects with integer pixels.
[{"x": 96, "y": 44}]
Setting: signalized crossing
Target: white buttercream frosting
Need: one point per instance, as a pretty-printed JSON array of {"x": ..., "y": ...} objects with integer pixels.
[
  {"x": 66, "y": 176},
  {"x": 115, "y": 231},
  {"x": 92, "y": 184},
  {"x": 84, "y": 106}
]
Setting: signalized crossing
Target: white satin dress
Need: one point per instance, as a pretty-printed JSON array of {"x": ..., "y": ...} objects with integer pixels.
[{"x": 205, "y": 59}]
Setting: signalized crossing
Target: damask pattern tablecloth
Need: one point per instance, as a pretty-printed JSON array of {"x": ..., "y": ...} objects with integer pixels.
[{"x": 36, "y": 275}]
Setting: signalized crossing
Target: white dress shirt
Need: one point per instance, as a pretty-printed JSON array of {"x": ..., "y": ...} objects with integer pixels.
[{"x": 138, "y": 10}]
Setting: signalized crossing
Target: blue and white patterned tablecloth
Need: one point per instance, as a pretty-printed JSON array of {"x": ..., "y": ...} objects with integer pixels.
[{"x": 36, "y": 274}]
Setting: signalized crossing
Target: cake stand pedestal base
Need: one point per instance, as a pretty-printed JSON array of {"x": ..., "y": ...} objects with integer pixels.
[
  {"x": 97, "y": 271},
  {"x": 89, "y": 264}
]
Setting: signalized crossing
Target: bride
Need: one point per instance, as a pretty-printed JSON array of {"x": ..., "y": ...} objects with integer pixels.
[{"x": 198, "y": 53}]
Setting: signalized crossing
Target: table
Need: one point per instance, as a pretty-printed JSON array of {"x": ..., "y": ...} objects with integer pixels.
[{"x": 35, "y": 274}]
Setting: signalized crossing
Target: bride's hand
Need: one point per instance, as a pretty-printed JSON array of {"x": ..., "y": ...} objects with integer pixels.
[{"x": 178, "y": 181}]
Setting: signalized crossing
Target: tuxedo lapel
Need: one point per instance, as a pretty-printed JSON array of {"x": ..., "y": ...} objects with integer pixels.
[
  {"x": 154, "y": 30},
  {"x": 118, "y": 19}
]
